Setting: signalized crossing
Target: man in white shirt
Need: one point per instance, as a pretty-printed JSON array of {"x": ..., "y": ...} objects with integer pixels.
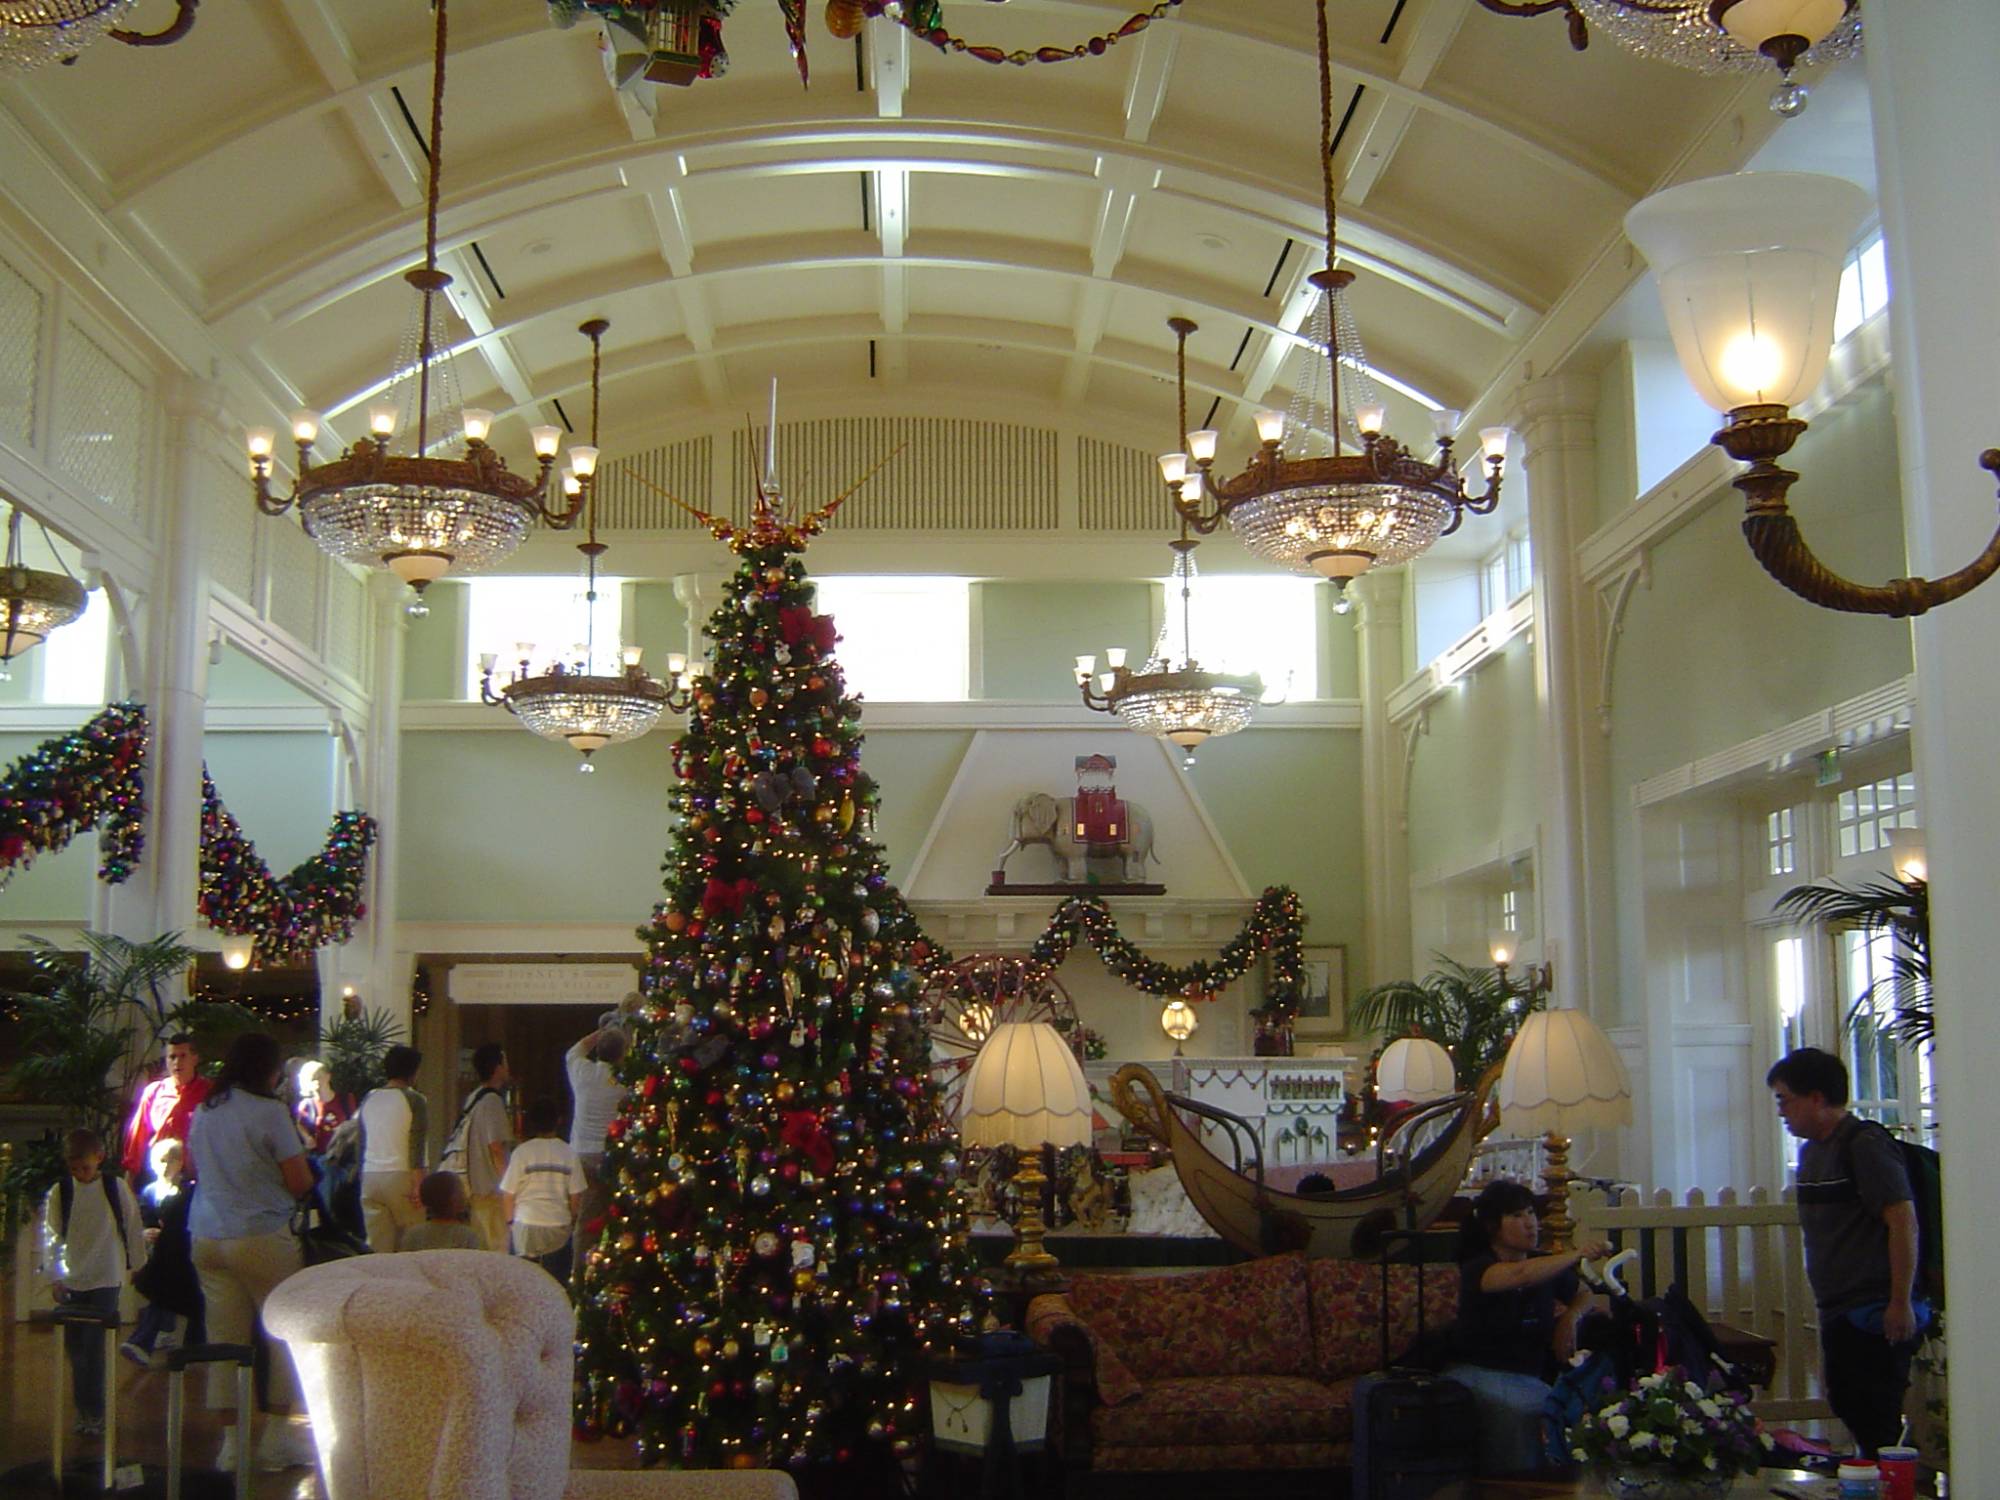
[
  {"x": 596, "y": 1094},
  {"x": 395, "y": 1151},
  {"x": 477, "y": 1149}
]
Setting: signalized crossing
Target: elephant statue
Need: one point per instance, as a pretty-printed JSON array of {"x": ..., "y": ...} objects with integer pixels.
[{"x": 1039, "y": 818}]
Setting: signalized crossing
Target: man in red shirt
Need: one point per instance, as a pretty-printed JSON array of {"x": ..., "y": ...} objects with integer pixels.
[{"x": 165, "y": 1106}]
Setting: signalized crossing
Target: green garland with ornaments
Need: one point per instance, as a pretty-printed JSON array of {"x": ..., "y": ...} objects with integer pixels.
[
  {"x": 289, "y": 915},
  {"x": 68, "y": 785},
  {"x": 1276, "y": 927}
]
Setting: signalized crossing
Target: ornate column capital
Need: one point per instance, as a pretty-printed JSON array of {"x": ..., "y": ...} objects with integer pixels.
[{"x": 1541, "y": 406}]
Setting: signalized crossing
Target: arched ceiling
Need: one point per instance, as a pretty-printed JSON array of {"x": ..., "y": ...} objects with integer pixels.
[{"x": 915, "y": 228}]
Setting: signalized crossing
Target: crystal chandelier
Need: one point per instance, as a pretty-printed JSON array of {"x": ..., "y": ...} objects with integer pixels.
[
  {"x": 33, "y": 602},
  {"x": 1342, "y": 496},
  {"x": 420, "y": 514},
  {"x": 37, "y": 32},
  {"x": 573, "y": 703},
  {"x": 1716, "y": 36}
]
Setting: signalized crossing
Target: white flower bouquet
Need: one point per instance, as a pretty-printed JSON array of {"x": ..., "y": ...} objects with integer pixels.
[{"x": 1667, "y": 1426}]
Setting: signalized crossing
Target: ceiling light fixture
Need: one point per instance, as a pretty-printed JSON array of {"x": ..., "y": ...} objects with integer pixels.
[
  {"x": 417, "y": 514},
  {"x": 33, "y": 602},
  {"x": 1749, "y": 271},
  {"x": 35, "y": 32},
  {"x": 575, "y": 704},
  {"x": 1344, "y": 497},
  {"x": 1716, "y": 36}
]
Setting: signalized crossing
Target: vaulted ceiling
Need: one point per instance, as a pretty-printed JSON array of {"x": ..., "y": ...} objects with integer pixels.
[{"x": 916, "y": 231}]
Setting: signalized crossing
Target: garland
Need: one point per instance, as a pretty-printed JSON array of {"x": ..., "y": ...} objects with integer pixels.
[
  {"x": 87, "y": 779},
  {"x": 926, "y": 19},
  {"x": 289, "y": 916},
  {"x": 1276, "y": 927}
]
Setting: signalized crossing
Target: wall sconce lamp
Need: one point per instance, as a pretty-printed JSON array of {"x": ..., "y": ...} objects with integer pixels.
[
  {"x": 1749, "y": 272},
  {"x": 1503, "y": 948}
]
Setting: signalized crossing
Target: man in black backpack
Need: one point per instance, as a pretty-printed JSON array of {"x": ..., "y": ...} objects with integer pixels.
[{"x": 1860, "y": 1227}]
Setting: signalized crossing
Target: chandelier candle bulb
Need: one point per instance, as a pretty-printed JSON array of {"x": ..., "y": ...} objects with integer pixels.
[
  {"x": 382, "y": 419},
  {"x": 1270, "y": 427},
  {"x": 1493, "y": 443},
  {"x": 1114, "y": 657},
  {"x": 546, "y": 440},
  {"x": 677, "y": 664},
  {"x": 477, "y": 423},
  {"x": 1173, "y": 467},
  {"x": 1370, "y": 418},
  {"x": 305, "y": 426},
  {"x": 1201, "y": 445},
  {"x": 1085, "y": 666},
  {"x": 260, "y": 441},
  {"x": 1444, "y": 423},
  {"x": 630, "y": 656},
  {"x": 583, "y": 461}
]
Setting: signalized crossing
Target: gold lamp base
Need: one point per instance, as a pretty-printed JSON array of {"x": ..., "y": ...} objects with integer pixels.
[
  {"x": 1030, "y": 1257},
  {"x": 1556, "y": 1178}
]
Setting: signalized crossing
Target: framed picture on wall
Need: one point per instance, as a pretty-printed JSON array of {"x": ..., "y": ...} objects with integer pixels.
[{"x": 1323, "y": 1007}]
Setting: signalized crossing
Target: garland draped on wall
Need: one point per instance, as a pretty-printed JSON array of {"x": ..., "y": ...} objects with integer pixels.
[
  {"x": 75, "y": 782},
  {"x": 925, "y": 19},
  {"x": 1275, "y": 927},
  {"x": 289, "y": 915}
]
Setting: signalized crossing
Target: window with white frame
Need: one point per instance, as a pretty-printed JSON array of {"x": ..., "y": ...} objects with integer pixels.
[
  {"x": 1864, "y": 287},
  {"x": 903, "y": 638},
  {"x": 541, "y": 620},
  {"x": 1510, "y": 911},
  {"x": 1245, "y": 623},
  {"x": 1781, "y": 842},
  {"x": 1867, "y": 814},
  {"x": 72, "y": 660},
  {"x": 1506, "y": 574}
]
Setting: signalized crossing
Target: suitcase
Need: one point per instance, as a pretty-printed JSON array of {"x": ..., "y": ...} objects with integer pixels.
[{"x": 1413, "y": 1431}]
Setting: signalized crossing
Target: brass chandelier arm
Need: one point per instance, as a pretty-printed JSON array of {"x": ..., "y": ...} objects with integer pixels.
[
  {"x": 1579, "y": 29},
  {"x": 1773, "y": 534},
  {"x": 173, "y": 31}
]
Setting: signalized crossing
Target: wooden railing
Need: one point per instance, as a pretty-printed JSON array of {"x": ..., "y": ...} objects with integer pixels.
[{"x": 1739, "y": 1262}]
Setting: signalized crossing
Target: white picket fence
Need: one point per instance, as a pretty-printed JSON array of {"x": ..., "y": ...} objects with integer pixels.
[{"x": 1741, "y": 1262}]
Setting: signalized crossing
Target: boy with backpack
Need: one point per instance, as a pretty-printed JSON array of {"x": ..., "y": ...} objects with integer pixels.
[
  {"x": 90, "y": 1243},
  {"x": 1859, "y": 1219},
  {"x": 476, "y": 1149}
]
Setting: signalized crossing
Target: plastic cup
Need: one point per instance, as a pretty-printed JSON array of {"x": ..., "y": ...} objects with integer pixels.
[{"x": 1899, "y": 1472}]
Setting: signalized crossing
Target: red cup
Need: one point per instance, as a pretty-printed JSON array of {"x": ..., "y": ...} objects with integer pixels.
[{"x": 1899, "y": 1472}]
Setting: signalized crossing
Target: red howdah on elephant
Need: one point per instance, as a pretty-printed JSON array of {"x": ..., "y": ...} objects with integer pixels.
[{"x": 1039, "y": 818}]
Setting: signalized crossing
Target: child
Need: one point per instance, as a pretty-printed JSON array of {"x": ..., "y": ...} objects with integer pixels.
[
  {"x": 542, "y": 1191},
  {"x": 447, "y": 1216},
  {"x": 90, "y": 1243},
  {"x": 158, "y": 1327}
]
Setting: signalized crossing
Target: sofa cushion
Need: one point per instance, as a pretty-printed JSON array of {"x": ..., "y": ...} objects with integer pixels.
[
  {"x": 1049, "y": 1313},
  {"x": 1251, "y": 1319},
  {"x": 1213, "y": 1411},
  {"x": 1346, "y": 1297}
]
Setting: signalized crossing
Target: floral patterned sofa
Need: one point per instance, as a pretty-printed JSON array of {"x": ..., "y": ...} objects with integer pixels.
[{"x": 1249, "y": 1367}]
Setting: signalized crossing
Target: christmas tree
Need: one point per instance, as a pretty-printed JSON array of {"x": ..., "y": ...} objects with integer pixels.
[{"x": 784, "y": 1242}]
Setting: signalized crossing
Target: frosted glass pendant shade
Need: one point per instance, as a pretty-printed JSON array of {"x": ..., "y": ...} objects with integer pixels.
[
  {"x": 1749, "y": 270},
  {"x": 1755, "y": 22}
]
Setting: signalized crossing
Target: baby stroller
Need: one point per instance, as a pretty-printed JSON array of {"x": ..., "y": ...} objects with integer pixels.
[{"x": 1632, "y": 1339}]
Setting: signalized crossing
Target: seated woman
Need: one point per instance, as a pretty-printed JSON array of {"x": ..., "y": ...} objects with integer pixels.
[{"x": 1517, "y": 1313}]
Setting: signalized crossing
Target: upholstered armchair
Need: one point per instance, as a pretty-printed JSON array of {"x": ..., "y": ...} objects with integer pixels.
[{"x": 445, "y": 1375}]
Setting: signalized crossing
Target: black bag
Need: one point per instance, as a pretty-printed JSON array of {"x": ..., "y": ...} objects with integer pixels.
[
  {"x": 1413, "y": 1431},
  {"x": 320, "y": 1239}
]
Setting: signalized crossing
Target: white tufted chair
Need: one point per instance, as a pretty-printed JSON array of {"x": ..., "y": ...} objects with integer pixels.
[{"x": 445, "y": 1375}]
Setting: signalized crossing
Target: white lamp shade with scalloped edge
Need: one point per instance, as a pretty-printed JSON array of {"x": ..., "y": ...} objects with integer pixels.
[
  {"x": 1562, "y": 1074},
  {"x": 1025, "y": 1088},
  {"x": 1749, "y": 271},
  {"x": 1414, "y": 1070}
]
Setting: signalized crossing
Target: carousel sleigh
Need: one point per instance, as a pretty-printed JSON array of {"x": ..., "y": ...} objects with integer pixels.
[{"x": 1409, "y": 1193}]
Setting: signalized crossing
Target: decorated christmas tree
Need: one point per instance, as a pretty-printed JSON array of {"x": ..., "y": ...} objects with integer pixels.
[{"x": 783, "y": 1243}]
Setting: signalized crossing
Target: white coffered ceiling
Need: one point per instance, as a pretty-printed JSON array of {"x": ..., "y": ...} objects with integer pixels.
[{"x": 917, "y": 231}]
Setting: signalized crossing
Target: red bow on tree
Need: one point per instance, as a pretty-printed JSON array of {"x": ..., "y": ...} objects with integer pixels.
[
  {"x": 722, "y": 896},
  {"x": 799, "y": 624},
  {"x": 803, "y": 1132}
]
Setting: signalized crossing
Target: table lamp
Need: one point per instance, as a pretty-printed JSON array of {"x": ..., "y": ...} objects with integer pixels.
[
  {"x": 1414, "y": 1070},
  {"x": 1562, "y": 1075},
  {"x": 1026, "y": 1090}
]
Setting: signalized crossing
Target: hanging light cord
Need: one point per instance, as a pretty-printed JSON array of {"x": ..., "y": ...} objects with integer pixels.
[
  {"x": 1326, "y": 186},
  {"x": 1185, "y": 549},
  {"x": 591, "y": 547},
  {"x": 431, "y": 283}
]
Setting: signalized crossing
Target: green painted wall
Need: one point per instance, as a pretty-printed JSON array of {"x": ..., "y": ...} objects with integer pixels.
[
  {"x": 431, "y": 645},
  {"x": 658, "y": 622},
  {"x": 280, "y": 788},
  {"x": 1714, "y": 653},
  {"x": 1473, "y": 785},
  {"x": 497, "y": 825},
  {"x": 914, "y": 768},
  {"x": 1028, "y": 636},
  {"x": 241, "y": 680}
]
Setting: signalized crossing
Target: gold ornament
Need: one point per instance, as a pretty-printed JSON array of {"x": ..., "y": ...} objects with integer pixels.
[{"x": 845, "y": 18}]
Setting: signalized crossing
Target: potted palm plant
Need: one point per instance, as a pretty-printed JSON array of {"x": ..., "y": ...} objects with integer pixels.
[{"x": 1471, "y": 1012}]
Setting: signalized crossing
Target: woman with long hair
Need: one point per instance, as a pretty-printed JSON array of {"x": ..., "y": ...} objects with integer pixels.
[
  {"x": 1517, "y": 1312},
  {"x": 253, "y": 1171}
]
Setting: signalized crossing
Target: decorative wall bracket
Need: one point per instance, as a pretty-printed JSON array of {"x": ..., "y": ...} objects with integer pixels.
[{"x": 1612, "y": 597}]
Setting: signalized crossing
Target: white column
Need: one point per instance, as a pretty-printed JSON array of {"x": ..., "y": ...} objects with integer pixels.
[
  {"x": 701, "y": 593},
  {"x": 1937, "y": 119},
  {"x": 161, "y": 898},
  {"x": 1385, "y": 838},
  {"x": 371, "y": 961},
  {"x": 1555, "y": 418}
]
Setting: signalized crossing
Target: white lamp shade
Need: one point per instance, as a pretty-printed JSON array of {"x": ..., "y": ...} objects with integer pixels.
[
  {"x": 1755, "y": 22},
  {"x": 1749, "y": 270},
  {"x": 1414, "y": 1070},
  {"x": 1025, "y": 1088},
  {"x": 1563, "y": 1074}
]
